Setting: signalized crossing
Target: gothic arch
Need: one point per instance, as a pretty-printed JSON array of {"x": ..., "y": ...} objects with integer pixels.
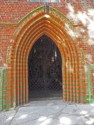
[{"x": 46, "y": 21}]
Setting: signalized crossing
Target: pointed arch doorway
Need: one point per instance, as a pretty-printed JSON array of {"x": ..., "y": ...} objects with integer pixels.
[
  {"x": 49, "y": 21},
  {"x": 44, "y": 70}
]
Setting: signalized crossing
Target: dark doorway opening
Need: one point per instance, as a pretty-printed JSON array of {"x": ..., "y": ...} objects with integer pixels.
[{"x": 44, "y": 70}]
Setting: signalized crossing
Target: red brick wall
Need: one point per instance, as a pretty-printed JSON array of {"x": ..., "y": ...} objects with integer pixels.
[{"x": 13, "y": 11}]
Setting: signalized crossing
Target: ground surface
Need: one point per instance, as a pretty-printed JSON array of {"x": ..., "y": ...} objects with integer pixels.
[{"x": 49, "y": 112}]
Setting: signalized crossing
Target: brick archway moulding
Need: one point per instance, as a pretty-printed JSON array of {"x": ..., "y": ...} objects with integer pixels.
[{"x": 48, "y": 21}]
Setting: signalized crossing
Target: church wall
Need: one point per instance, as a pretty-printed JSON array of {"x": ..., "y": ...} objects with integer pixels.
[{"x": 80, "y": 14}]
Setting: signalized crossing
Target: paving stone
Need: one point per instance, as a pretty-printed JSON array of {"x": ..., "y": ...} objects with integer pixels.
[{"x": 49, "y": 112}]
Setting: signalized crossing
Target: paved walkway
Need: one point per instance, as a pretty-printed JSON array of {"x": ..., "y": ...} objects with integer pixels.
[{"x": 52, "y": 112}]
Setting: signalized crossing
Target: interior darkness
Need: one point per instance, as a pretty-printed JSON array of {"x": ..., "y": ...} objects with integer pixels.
[{"x": 44, "y": 70}]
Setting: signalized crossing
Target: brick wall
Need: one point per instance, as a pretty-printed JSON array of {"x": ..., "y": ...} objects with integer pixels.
[{"x": 13, "y": 13}]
